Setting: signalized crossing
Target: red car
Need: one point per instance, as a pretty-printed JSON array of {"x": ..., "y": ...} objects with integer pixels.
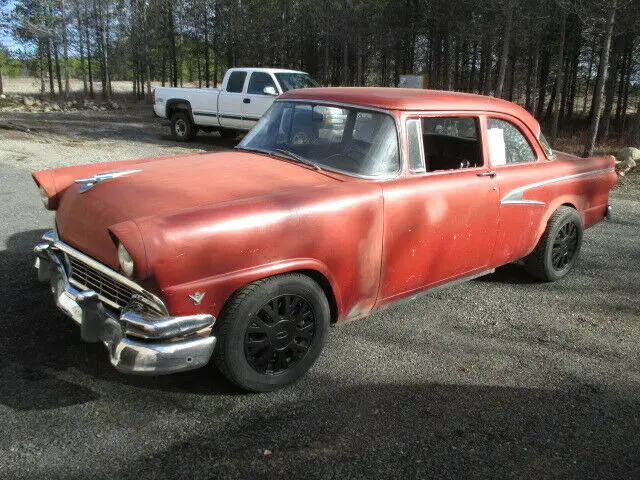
[{"x": 339, "y": 201}]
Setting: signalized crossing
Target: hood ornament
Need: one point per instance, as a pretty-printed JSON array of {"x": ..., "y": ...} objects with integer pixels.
[
  {"x": 197, "y": 297},
  {"x": 90, "y": 182}
]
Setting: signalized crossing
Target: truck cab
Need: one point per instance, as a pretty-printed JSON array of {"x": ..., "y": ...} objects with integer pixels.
[{"x": 245, "y": 95}]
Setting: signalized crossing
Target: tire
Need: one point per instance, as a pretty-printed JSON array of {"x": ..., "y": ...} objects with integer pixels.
[
  {"x": 182, "y": 128},
  {"x": 260, "y": 353},
  {"x": 558, "y": 248},
  {"x": 228, "y": 134}
]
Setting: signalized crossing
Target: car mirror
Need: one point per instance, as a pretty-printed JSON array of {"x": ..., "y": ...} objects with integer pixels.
[{"x": 270, "y": 90}]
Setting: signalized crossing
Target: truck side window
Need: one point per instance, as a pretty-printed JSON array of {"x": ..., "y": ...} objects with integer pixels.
[
  {"x": 507, "y": 144},
  {"x": 236, "y": 82},
  {"x": 258, "y": 81}
]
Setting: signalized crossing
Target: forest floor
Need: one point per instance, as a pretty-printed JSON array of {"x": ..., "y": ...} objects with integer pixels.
[{"x": 498, "y": 377}]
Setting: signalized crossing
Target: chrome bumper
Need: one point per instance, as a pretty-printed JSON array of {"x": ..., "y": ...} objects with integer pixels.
[{"x": 139, "y": 341}]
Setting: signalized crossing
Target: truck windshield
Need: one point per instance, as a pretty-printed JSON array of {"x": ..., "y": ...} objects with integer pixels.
[
  {"x": 348, "y": 140},
  {"x": 292, "y": 81}
]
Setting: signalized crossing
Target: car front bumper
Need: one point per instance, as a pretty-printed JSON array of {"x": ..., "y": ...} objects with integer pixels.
[{"x": 140, "y": 340}]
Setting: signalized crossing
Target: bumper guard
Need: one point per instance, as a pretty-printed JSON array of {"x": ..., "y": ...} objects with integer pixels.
[{"x": 139, "y": 341}]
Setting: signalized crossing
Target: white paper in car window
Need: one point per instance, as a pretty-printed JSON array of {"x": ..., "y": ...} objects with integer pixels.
[{"x": 497, "y": 146}]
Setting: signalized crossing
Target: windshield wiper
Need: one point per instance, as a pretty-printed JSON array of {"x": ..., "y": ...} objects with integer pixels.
[
  {"x": 282, "y": 153},
  {"x": 297, "y": 158}
]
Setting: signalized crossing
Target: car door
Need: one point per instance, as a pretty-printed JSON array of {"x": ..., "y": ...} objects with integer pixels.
[
  {"x": 439, "y": 220},
  {"x": 518, "y": 162},
  {"x": 230, "y": 101},
  {"x": 256, "y": 101}
]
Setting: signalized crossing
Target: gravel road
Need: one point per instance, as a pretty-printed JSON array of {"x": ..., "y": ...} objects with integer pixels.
[{"x": 498, "y": 377}]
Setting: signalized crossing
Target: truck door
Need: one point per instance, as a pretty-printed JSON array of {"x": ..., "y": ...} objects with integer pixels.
[
  {"x": 257, "y": 101},
  {"x": 230, "y": 101}
]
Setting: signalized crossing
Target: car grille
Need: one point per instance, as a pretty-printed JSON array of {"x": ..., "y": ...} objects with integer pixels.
[{"x": 108, "y": 289}]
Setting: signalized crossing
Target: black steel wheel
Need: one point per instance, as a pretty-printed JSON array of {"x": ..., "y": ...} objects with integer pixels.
[
  {"x": 280, "y": 334},
  {"x": 559, "y": 246},
  {"x": 271, "y": 332},
  {"x": 565, "y": 246}
]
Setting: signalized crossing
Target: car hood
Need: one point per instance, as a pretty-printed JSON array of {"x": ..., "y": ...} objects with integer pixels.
[{"x": 170, "y": 185}]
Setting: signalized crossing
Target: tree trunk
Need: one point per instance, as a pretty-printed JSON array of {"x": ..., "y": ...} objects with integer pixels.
[
  {"x": 89, "y": 59},
  {"x": 602, "y": 76},
  {"x": 83, "y": 69},
  {"x": 472, "y": 73},
  {"x": 610, "y": 91},
  {"x": 52, "y": 88},
  {"x": 57, "y": 64},
  {"x": 592, "y": 59},
  {"x": 43, "y": 87},
  {"x": 65, "y": 49},
  {"x": 502, "y": 67},
  {"x": 1, "y": 84},
  {"x": 559, "y": 78}
]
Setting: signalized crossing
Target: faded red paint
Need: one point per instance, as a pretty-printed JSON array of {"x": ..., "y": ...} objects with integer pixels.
[{"x": 215, "y": 222}]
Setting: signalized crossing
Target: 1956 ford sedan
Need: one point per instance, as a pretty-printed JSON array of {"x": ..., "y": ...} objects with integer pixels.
[{"x": 339, "y": 201}]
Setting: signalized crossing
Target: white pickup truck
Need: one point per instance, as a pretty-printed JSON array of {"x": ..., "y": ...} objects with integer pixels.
[{"x": 246, "y": 94}]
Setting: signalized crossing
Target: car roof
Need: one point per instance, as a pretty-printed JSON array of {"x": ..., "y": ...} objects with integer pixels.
[
  {"x": 414, "y": 99},
  {"x": 267, "y": 70}
]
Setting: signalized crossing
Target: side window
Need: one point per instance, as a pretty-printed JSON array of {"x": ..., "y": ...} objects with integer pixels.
[
  {"x": 236, "y": 82},
  {"x": 451, "y": 143},
  {"x": 507, "y": 144},
  {"x": 258, "y": 81},
  {"x": 414, "y": 144}
]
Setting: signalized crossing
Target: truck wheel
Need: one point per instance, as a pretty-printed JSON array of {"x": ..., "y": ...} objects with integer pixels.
[
  {"x": 558, "y": 249},
  {"x": 271, "y": 332},
  {"x": 228, "y": 134},
  {"x": 182, "y": 127}
]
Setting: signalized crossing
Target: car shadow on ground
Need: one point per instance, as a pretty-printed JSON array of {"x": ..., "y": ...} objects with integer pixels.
[
  {"x": 37, "y": 340},
  {"x": 511, "y": 274},
  {"x": 415, "y": 431}
]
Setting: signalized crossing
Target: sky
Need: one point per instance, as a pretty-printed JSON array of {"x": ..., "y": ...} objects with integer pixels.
[{"x": 6, "y": 40}]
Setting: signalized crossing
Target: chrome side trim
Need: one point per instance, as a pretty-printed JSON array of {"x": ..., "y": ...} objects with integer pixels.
[
  {"x": 148, "y": 296},
  {"x": 516, "y": 196}
]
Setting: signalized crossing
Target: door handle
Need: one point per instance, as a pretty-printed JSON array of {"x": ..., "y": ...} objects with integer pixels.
[
  {"x": 488, "y": 173},
  {"x": 247, "y": 100}
]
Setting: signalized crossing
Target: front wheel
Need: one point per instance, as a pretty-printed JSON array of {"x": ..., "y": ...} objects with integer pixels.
[
  {"x": 271, "y": 332},
  {"x": 182, "y": 128},
  {"x": 558, "y": 248}
]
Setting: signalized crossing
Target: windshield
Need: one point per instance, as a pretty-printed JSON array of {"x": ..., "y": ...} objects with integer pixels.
[
  {"x": 291, "y": 81},
  {"x": 349, "y": 140}
]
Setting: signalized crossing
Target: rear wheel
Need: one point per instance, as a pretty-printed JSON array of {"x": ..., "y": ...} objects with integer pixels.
[
  {"x": 558, "y": 249},
  {"x": 271, "y": 332},
  {"x": 182, "y": 128}
]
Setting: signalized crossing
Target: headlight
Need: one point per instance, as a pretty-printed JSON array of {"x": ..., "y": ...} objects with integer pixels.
[
  {"x": 44, "y": 197},
  {"x": 126, "y": 262}
]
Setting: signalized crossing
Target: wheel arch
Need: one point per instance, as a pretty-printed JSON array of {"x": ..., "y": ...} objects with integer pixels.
[
  {"x": 179, "y": 104},
  {"x": 565, "y": 201}
]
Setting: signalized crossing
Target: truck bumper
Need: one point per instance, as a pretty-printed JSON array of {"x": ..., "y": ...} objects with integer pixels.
[{"x": 139, "y": 341}]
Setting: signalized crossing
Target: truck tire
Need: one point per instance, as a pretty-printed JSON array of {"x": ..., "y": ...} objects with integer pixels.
[
  {"x": 228, "y": 134},
  {"x": 558, "y": 248},
  {"x": 271, "y": 332},
  {"x": 182, "y": 128}
]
